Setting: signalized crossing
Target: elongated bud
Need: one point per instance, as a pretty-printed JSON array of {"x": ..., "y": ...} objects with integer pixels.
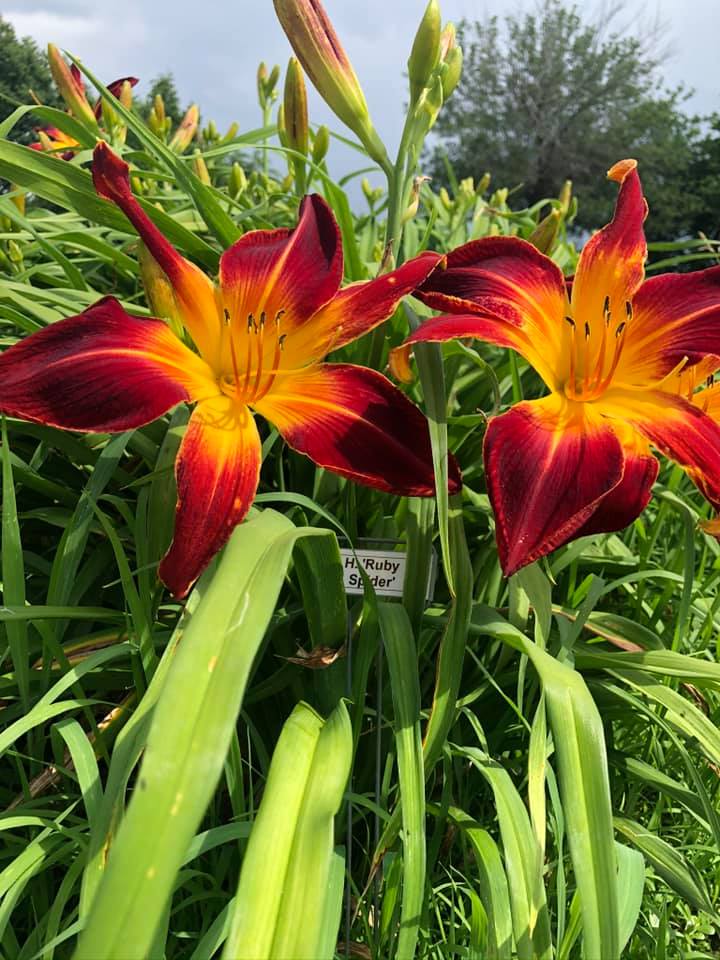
[
  {"x": 452, "y": 72},
  {"x": 126, "y": 96},
  {"x": 484, "y": 184},
  {"x": 14, "y": 251},
  {"x": 321, "y": 144},
  {"x": 324, "y": 60},
  {"x": 231, "y": 132},
  {"x": 565, "y": 197},
  {"x": 425, "y": 51},
  {"x": 158, "y": 290},
  {"x": 159, "y": 105},
  {"x": 466, "y": 188},
  {"x": 445, "y": 199},
  {"x": 399, "y": 364},
  {"x": 69, "y": 87},
  {"x": 367, "y": 189},
  {"x": 428, "y": 105},
  {"x": 295, "y": 108},
  {"x": 238, "y": 181},
  {"x": 545, "y": 233},
  {"x": 447, "y": 40},
  {"x": 184, "y": 134},
  {"x": 413, "y": 205},
  {"x": 272, "y": 80},
  {"x": 262, "y": 75},
  {"x": 281, "y": 129},
  {"x": 200, "y": 168}
]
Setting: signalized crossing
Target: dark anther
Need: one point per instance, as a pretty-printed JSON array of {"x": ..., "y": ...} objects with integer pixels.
[
  {"x": 281, "y": 340},
  {"x": 620, "y": 329},
  {"x": 251, "y": 322},
  {"x": 262, "y": 318},
  {"x": 710, "y": 380},
  {"x": 227, "y": 315},
  {"x": 628, "y": 309},
  {"x": 570, "y": 321},
  {"x": 606, "y": 305},
  {"x": 587, "y": 330},
  {"x": 278, "y": 315}
]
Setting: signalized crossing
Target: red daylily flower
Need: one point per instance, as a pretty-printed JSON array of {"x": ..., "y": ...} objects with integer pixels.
[
  {"x": 621, "y": 357},
  {"x": 52, "y": 140},
  {"x": 261, "y": 334}
]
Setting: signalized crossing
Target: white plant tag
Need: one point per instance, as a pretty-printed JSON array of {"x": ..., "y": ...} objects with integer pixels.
[{"x": 385, "y": 569}]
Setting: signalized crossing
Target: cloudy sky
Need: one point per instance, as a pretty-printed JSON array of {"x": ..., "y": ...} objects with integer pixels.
[{"x": 212, "y": 47}]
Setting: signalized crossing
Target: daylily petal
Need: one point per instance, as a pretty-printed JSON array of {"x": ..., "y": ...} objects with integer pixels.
[
  {"x": 509, "y": 279},
  {"x": 355, "y": 422},
  {"x": 612, "y": 262},
  {"x": 295, "y": 271},
  {"x": 100, "y": 371},
  {"x": 194, "y": 291},
  {"x": 217, "y": 472},
  {"x": 452, "y": 326},
  {"x": 625, "y": 502},
  {"x": 115, "y": 88},
  {"x": 360, "y": 307},
  {"x": 675, "y": 315},
  {"x": 679, "y": 429},
  {"x": 548, "y": 464}
]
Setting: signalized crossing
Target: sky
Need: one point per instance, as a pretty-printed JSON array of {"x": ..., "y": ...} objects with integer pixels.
[{"x": 213, "y": 47}]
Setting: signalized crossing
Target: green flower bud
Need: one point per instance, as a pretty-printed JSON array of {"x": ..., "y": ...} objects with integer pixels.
[
  {"x": 565, "y": 197},
  {"x": 425, "y": 51},
  {"x": 238, "y": 181},
  {"x": 295, "y": 112},
  {"x": 70, "y": 86},
  {"x": 545, "y": 233},
  {"x": 186, "y": 131},
  {"x": 321, "y": 143},
  {"x": 453, "y": 70}
]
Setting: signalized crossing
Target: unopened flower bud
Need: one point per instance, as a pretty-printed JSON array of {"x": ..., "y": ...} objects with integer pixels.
[
  {"x": 445, "y": 198},
  {"x": 159, "y": 108},
  {"x": 428, "y": 106},
  {"x": 282, "y": 131},
  {"x": 399, "y": 364},
  {"x": 295, "y": 108},
  {"x": 14, "y": 251},
  {"x": 413, "y": 205},
  {"x": 447, "y": 40},
  {"x": 545, "y": 233},
  {"x": 261, "y": 80},
  {"x": 484, "y": 183},
  {"x": 184, "y": 134},
  {"x": 321, "y": 144},
  {"x": 367, "y": 189},
  {"x": 287, "y": 183},
  {"x": 231, "y": 132},
  {"x": 425, "y": 50},
  {"x": 565, "y": 197},
  {"x": 466, "y": 188},
  {"x": 70, "y": 87},
  {"x": 324, "y": 60},
  {"x": 138, "y": 187},
  {"x": 125, "y": 97},
  {"x": 200, "y": 168},
  {"x": 452, "y": 72},
  {"x": 272, "y": 80},
  {"x": 158, "y": 290},
  {"x": 237, "y": 183}
]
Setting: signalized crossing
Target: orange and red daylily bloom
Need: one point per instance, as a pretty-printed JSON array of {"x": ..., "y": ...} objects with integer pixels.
[
  {"x": 52, "y": 140},
  {"x": 621, "y": 357},
  {"x": 261, "y": 334}
]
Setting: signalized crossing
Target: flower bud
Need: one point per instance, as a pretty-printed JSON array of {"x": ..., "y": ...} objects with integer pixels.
[
  {"x": 565, "y": 197},
  {"x": 324, "y": 60},
  {"x": 159, "y": 108},
  {"x": 14, "y": 252},
  {"x": 484, "y": 184},
  {"x": 295, "y": 111},
  {"x": 414, "y": 204},
  {"x": 287, "y": 183},
  {"x": 425, "y": 51},
  {"x": 447, "y": 40},
  {"x": 282, "y": 131},
  {"x": 399, "y": 364},
  {"x": 200, "y": 168},
  {"x": 70, "y": 87},
  {"x": 545, "y": 233},
  {"x": 125, "y": 96},
  {"x": 186, "y": 131},
  {"x": 237, "y": 183},
  {"x": 321, "y": 143},
  {"x": 261, "y": 80},
  {"x": 158, "y": 290},
  {"x": 272, "y": 81},
  {"x": 428, "y": 107},
  {"x": 231, "y": 132},
  {"x": 445, "y": 199},
  {"x": 452, "y": 72}
]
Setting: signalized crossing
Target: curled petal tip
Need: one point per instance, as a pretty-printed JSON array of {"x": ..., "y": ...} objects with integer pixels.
[{"x": 618, "y": 171}]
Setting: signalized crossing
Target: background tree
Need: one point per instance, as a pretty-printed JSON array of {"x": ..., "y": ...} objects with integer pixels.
[
  {"x": 551, "y": 95},
  {"x": 23, "y": 68}
]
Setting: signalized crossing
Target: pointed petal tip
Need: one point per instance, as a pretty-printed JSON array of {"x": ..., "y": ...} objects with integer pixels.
[{"x": 110, "y": 173}]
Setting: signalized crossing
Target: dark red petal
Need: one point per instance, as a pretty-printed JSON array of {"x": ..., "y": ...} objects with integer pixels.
[
  {"x": 100, "y": 371},
  {"x": 194, "y": 291},
  {"x": 548, "y": 463},
  {"x": 360, "y": 307},
  {"x": 679, "y": 429},
  {"x": 296, "y": 271},
  {"x": 115, "y": 88},
  {"x": 625, "y": 502},
  {"x": 675, "y": 315},
  {"x": 612, "y": 262},
  {"x": 217, "y": 472},
  {"x": 353, "y": 421},
  {"x": 455, "y": 326}
]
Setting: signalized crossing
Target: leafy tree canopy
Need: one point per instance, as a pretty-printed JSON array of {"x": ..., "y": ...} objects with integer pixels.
[
  {"x": 552, "y": 95},
  {"x": 24, "y": 71}
]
